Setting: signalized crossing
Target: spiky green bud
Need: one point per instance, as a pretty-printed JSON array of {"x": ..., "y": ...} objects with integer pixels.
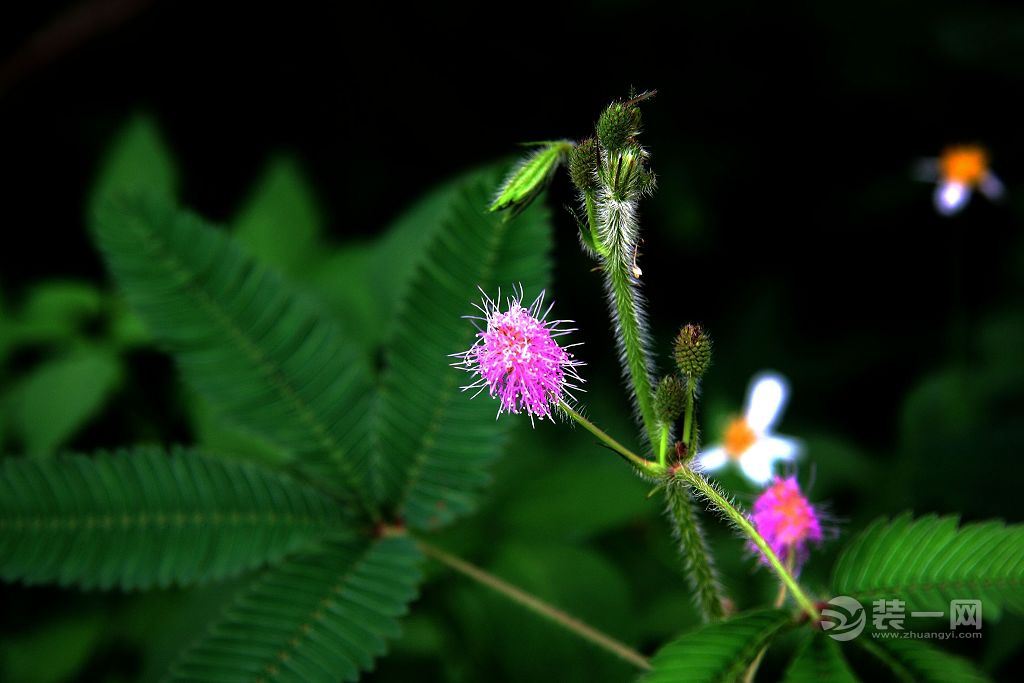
[
  {"x": 618, "y": 125},
  {"x": 625, "y": 173},
  {"x": 583, "y": 162},
  {"x": 693, "y": 351},
  {"x": 670, "y": 398}
]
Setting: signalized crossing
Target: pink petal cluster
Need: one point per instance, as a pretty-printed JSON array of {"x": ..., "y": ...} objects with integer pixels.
[
  {"x": 517, "y": 359},
  {"x": 786, "y": 520}
]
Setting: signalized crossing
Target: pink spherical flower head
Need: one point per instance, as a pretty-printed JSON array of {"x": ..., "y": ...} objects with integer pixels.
[
  {"x": 787, "y": 521},
  {"x": 516, "y": 358}
]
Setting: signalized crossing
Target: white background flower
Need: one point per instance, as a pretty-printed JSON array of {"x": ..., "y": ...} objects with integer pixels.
[
  {"x": 958, "y": 172},
  {"x": 748, "y": 440}
]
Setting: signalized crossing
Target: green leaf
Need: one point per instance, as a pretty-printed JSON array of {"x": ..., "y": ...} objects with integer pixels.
[
  {"x": 915, "y": 661},
  {"x": 720, "y": 651},
  {"x": 58, "y": 309},
  {"x": 819, "y": 660},
  {"x": 436, "y": 443},
  {"x": 60, "y": 396},
  {"x": 54, "y": 653},
  {"x": 263, "y": 357},
  {"x": 530, "y": 176},
  {"x": 221, "y": 438},
  {"x": 401, "y": 251},
  {"x": 322, "y": 616},
  {"x": 929, "y": 561},
  {"x": 54, "y": 311},
  {"x": 138, "y": 160},
  {"x": 342, "y": 279},
  {"x": 139, "y": 519},
  {"x": 281, "y": 222}
]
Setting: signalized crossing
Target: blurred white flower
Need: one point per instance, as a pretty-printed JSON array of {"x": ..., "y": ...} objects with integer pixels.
[
  {"x": 959, "y": 171},
  {"x": 748, "y": 440}
]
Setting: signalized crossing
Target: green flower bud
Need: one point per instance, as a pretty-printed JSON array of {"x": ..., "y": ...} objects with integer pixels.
[
  {"x": 583, "y": 162},
  {"x": 693, "y": 351},
  {"x": 670, "y": 398},
  {"x": 625, "y": 173},
  {"x": 618, "y": 125},
  {"x": 530, "y": 176}
]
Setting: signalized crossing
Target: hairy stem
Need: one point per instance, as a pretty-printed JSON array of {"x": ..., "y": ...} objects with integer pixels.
[
  {"x": 716, "y": 498},
  {"x": 626, "y": 312},
  {"x": 699, "y": 567},
  {"x": 646, "y": 466},
  {"x": 591, "y": 207},
  {"x": 538, "y": 606}
]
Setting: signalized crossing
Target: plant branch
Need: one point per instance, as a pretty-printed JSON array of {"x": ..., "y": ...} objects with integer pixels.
[
  {"x": 538, "y": 606},
  {"x": 688, "y": 417},
  {"x": 663, "y": 445},
  {"x": 646, "y": 466},
  {"x": 711, "y": 492}
]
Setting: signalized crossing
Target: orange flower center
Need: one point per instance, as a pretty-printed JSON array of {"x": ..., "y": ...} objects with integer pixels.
[
  {"x": 738, "y": 438},
  {"x": 965, "y": 164}
]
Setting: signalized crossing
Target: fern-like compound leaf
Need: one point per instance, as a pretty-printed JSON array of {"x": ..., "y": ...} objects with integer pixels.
[
  {"x": 930, "y": 561},
  {"x": 915, "y": 661},
  {"x": 265, "y": 358},
  {"x": 324, "y": 615},
  {"x": 142, "y": 518},
  {"x": 819, "y": 660},
  {"x": 721, "y": 651},
  {"x": 435, "y": 442}
]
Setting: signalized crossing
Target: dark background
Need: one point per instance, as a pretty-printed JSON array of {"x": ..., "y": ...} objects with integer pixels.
[{"x": 787, "y": 218}]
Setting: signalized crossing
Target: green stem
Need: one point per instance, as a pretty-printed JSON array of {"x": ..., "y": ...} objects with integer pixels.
[
  {"x": 663, "y": 445},
  {"x": 538, "y": 606},
  {"x": 631, "y": 338},
  {"x": 696, "y": 553},
  {"x": 780, "y": 600},
  {"x": 688, "y": 416},
  {"x": 708, "y": 490},
  {"x": 591, "y": 206},
  {"x": 646, "y": 466}
]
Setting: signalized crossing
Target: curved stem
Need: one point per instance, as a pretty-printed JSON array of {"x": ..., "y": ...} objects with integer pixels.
[
  {"x": 709, "y": 491},
  {"x": 646, "y": 466},
  {"x": 740, "y": 520},
  {"x": 538, "y": 606}
]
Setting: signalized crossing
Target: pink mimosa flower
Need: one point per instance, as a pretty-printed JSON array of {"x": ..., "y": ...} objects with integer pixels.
[
  {"x": 787, "y": 521},
  {"x": 516, "y": 358}
]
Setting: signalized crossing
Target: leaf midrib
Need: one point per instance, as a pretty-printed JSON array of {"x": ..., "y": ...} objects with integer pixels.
[
  {"x": 155, "y": 520},
  {"x": 305, "y": 630},
  {"x": 266, "y": 366},
  {"x": 420, "y": 453}
]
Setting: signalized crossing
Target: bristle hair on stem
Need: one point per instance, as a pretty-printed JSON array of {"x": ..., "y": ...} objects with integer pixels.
[{"x": 697, "y": 562}]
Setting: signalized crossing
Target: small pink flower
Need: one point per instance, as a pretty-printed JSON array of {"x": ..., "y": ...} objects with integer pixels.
[
  {"x": 517, "y": 359},
  {"x": 787, "y": 521}
]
